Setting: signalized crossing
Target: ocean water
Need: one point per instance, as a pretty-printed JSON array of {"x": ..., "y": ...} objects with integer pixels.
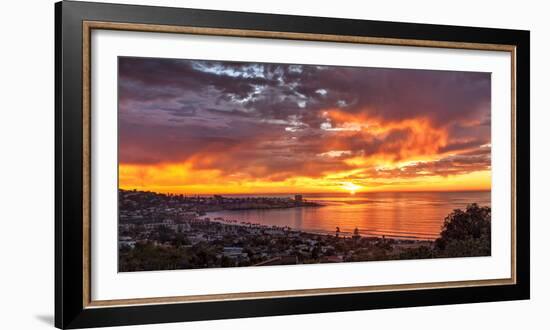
[{"x": 417, "y": 215}]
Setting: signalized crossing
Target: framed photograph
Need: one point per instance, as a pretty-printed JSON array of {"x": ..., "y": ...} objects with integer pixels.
[{"x": 218, "y": 164}]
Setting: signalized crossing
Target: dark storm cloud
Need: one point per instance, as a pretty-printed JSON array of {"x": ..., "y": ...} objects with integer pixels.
[
  {"x": 394, "y": 94},
  {"x": 277, "y": 119}
]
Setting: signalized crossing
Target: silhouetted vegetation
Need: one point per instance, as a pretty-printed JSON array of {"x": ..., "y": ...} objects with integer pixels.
[{"x": 466, "y": 233}]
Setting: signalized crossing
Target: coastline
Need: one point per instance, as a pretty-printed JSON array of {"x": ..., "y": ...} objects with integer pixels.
[
  {"x": 167, "y": 232},
  {"x": 342, "y": 234},
  {"x": 208, "y": 243}
]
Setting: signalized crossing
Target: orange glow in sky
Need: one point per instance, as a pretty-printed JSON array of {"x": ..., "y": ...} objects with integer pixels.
[
  {"x": 202, "y": 127},
  {"x": 393, "y": 168}
]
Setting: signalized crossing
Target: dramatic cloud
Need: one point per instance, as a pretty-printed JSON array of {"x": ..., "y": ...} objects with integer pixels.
[{"x": 301, "y": 126}]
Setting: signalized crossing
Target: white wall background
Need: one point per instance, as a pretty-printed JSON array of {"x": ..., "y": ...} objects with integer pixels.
[{"x": 27, "y": 154}]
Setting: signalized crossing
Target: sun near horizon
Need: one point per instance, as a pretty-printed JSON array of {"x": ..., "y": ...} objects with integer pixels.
[{"x": 161, "y": 180}]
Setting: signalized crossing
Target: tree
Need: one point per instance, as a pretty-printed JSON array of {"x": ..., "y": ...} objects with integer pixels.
[
  {"x": 466, "y": 233},
  {"x": 180, "y": 239},
  {"x": 356, "y": 234}
]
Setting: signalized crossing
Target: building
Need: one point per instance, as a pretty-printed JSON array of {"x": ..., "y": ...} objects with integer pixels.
[
  {"x": 281, "y": 260},
  {"x": 298, "y": 198},
  {"x": 234, "y": 252}
]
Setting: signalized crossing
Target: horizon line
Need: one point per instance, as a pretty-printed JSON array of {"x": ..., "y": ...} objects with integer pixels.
[{"x": 310, "y": 193}]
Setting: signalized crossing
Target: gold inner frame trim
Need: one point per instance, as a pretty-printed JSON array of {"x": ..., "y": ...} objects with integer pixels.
[{"x": 88, "y": 26}]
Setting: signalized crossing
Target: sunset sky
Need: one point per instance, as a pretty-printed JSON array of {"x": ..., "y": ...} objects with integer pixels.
[{"x": 208, "y": 127}]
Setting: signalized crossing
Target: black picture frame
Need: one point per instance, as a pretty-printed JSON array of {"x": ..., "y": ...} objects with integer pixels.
[{"x": 70, "y": 309}]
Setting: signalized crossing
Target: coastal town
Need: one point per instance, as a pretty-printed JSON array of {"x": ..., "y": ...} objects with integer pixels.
[{"x": 167, "y": 231}]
